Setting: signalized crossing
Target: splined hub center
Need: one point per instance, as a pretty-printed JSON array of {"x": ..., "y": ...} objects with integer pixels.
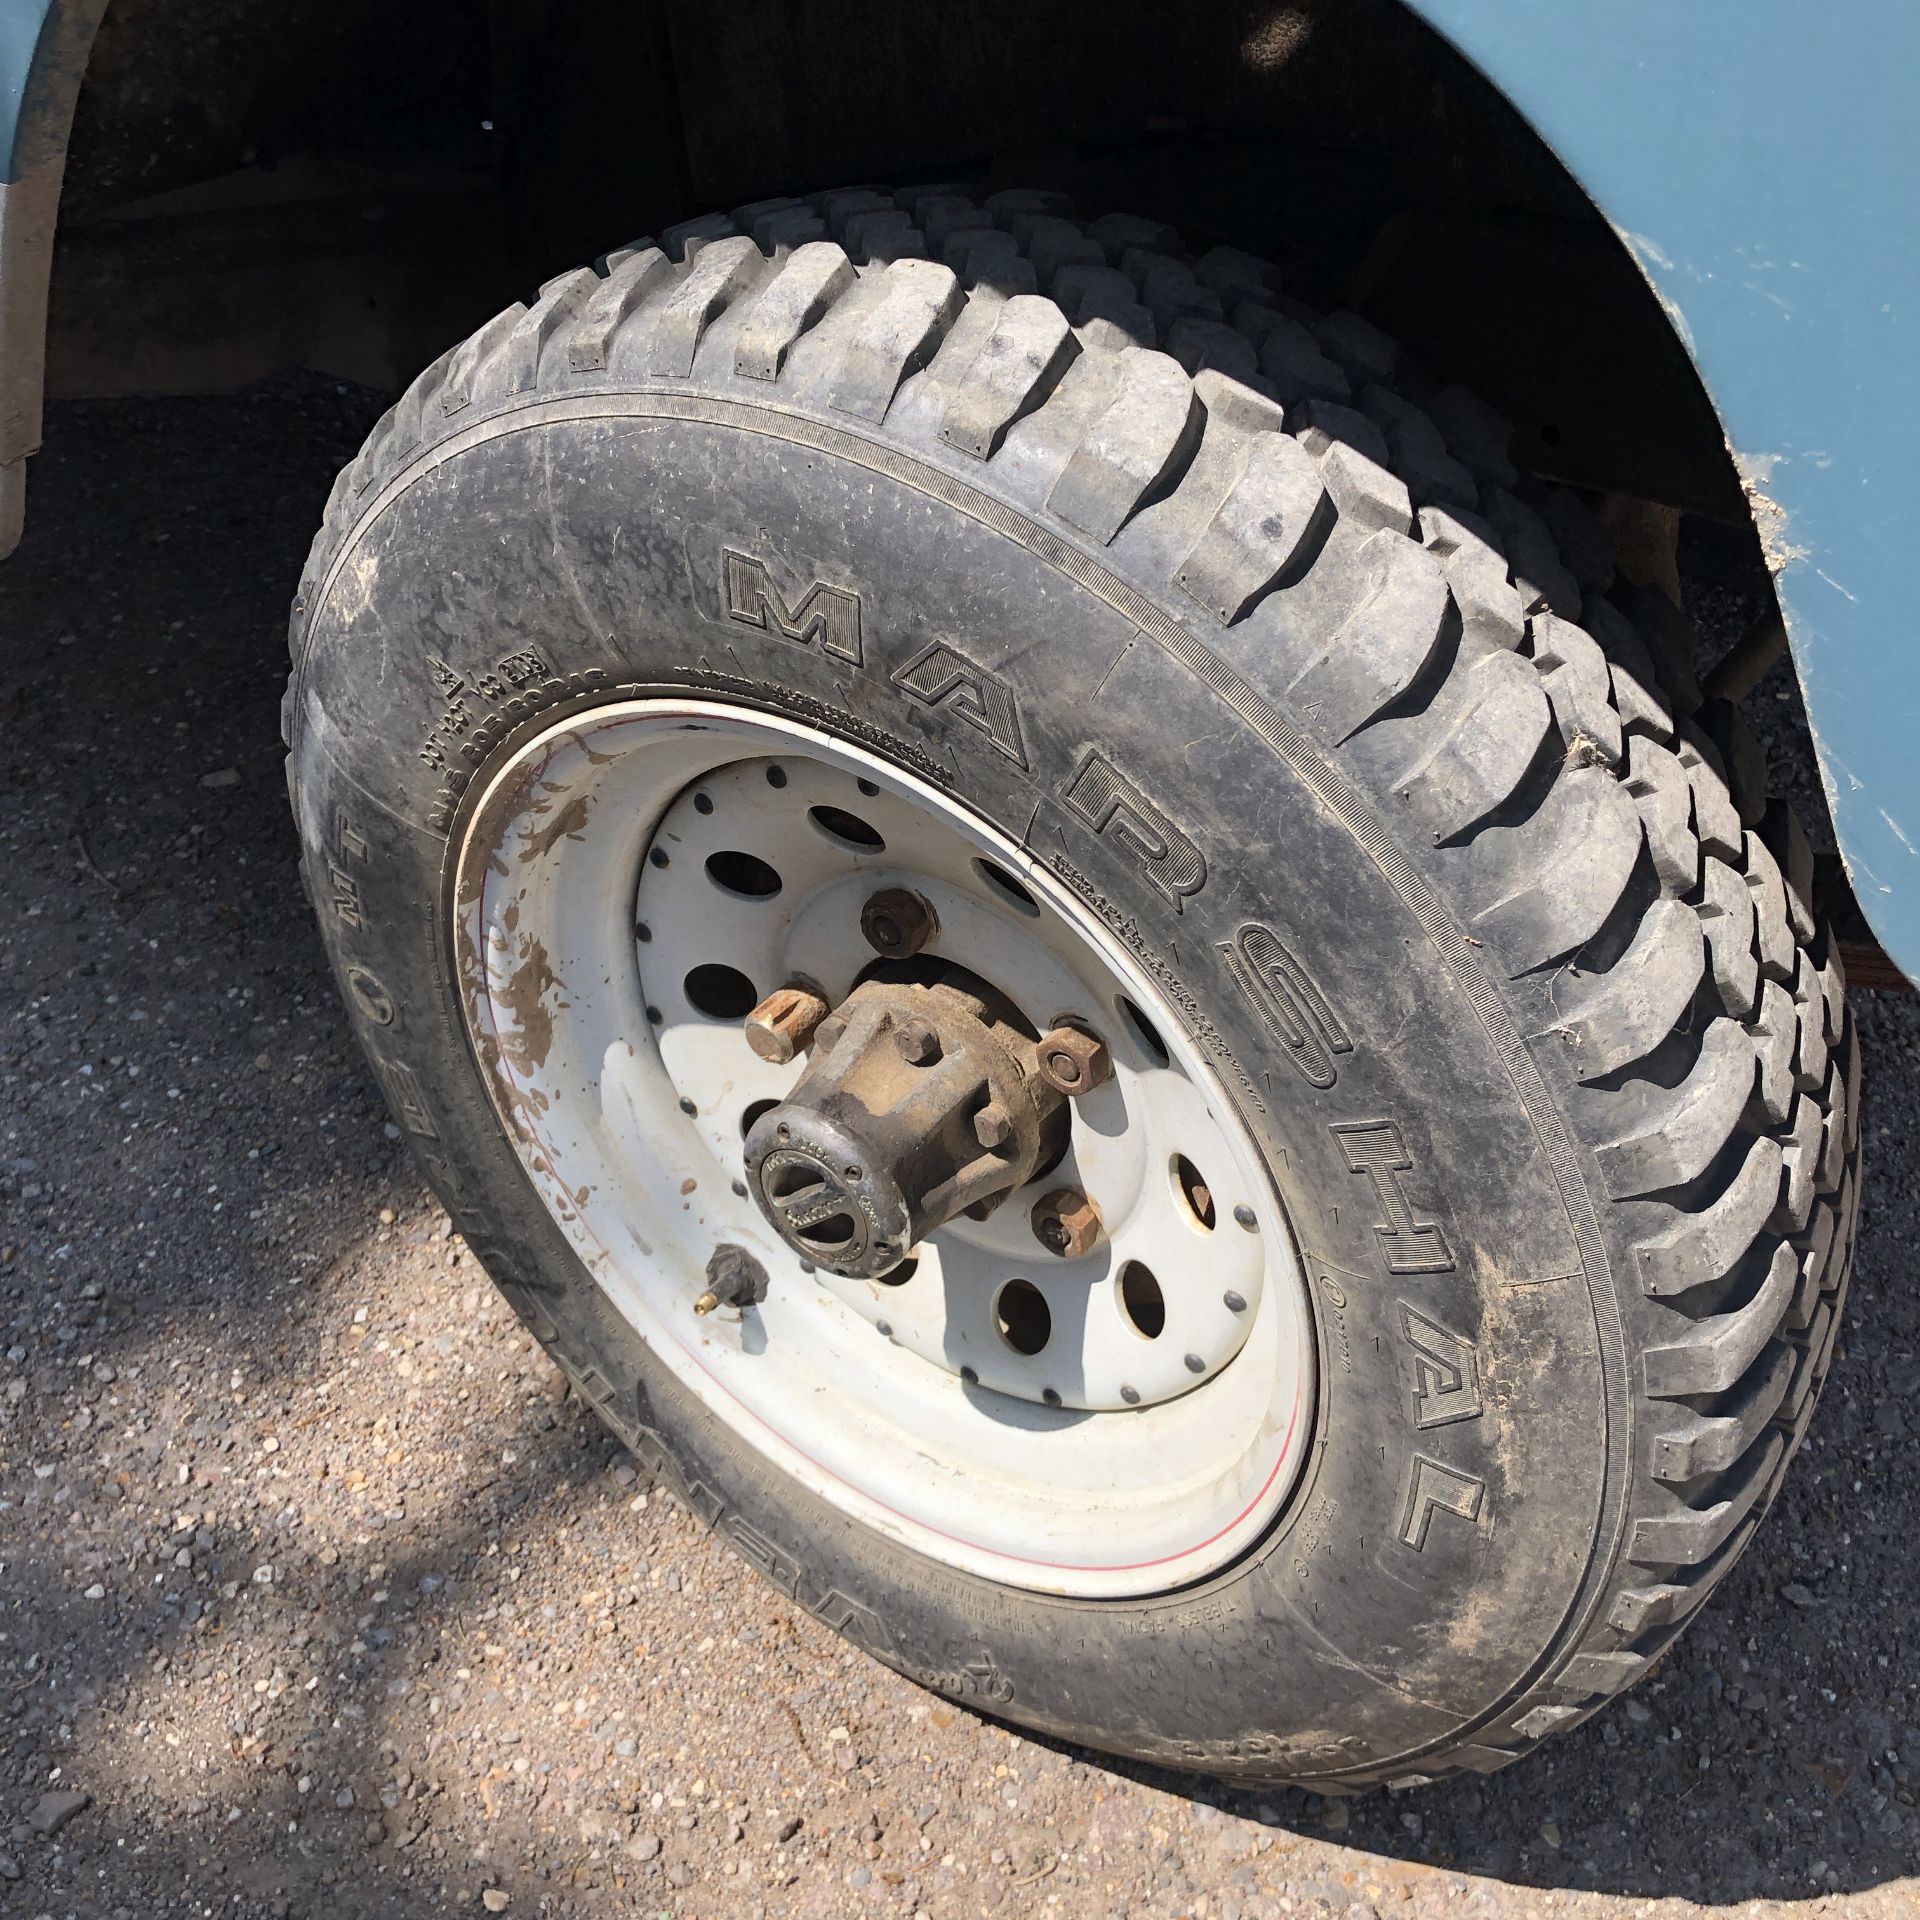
[{"x": 924, "y": 1099}]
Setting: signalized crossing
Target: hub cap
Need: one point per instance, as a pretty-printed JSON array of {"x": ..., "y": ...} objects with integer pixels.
[{"x": 1116, "y": 1418}]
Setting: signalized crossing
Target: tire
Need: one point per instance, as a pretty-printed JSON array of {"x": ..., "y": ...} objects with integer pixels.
[{"x": 1257, "y": 643}]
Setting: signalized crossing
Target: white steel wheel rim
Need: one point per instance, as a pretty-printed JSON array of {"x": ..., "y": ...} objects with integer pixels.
[{"x": 1112, "y": 1460}]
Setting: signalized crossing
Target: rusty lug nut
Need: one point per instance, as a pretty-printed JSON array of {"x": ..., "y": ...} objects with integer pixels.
[
  {"x": 784, "y": 1023},
  {"x": 1073, "y": 1062},
  {"x": 897, "y": 923},
  {"x": 993, "y": 1126},
  {"x": 919, "y": 1045},
  {"x": 1066, "y": 1222}
]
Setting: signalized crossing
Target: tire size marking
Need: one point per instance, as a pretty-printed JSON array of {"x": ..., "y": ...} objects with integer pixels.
[
  {"x": 1411, "y": 1245},
  {"x": 1288, "y": 1003},
  {"x": 457, "y": 718},
  {"x": 404, "y": 1095},
  {"x": 1101, "y": 797},
  {"x": 828, "y": 614}
]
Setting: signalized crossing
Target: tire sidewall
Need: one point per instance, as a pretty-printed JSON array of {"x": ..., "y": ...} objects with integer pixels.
[{"x": 1445, "y": 1529}]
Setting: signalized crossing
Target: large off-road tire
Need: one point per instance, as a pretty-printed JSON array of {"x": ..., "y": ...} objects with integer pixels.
[{"x": 1279, "y": 687}]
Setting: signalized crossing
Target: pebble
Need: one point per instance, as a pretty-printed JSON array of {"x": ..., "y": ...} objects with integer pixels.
[
  {"x": 644, "y": 1846},
  {"x": 221, "y": 777},
  {"x": 53, "y": 1810},
  {"x": 496, "y": 1900}
]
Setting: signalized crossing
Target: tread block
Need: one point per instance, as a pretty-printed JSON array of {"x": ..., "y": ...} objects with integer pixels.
[
  {"x": 941, "y": 217},
  {"x": 1010, "y": 201},
  {"x": 1810, "y": 1006},
  {"x": 1052, "y": 243},
  {"x": 1491, "y": 614},
  {"x": 1531, "y": 555},
  {"x": 1833, "y": 1141},
  {"x": 1712, "y": 1442},
  {"x": 1585, "y": 545},
  {"x": 620, "y": 293},
  {"x": 798, "y": 296},
  {"x": 1668, "y": 636},
  {"x": 1810, "y": 1367},
  {"x": 1800, "y": 1161},
  {"x": 1774, "y": 937},
  {"x": 777, "y": 234},
  {"x": 1153, "y": 422},
  {"x": 1580, "y": 851},
  {"x": 1488, "y": 750},
  {"x": 1168, "y": 289},
  {"x": 1579, "y": 687},
  {"x": 1321, "y": 424},
  {"x": 1122, "y": 233},
  {"x": 1476, "y": 434},
  {"x": 1853, "y": 1082},
  {"x": 1715, "y": 1356},
  {"x": 1726, "y": 912},
  {"x": 1658, "y": 782},
  {"x": 560, "y": 299},
  {"x": 690, "y": 238},
  {"x": 1715, "y": 818},
  {"x": 1418, "y": 454},
  {"x": 1682, "y": 1131},
  {"x": 881, "y": 236},
  {"x": 1602, "y": 1672},
  {"x": 1365, "y": 492},
  {"x": 1775, "y": 1032},
  {"x": 1198, "y": 343},
  {"x": 1030, "y": 348},
  {"x": 1786, "y": 840},
  {"x": 1257, "y": 530},
  {"x": 897, "y": 338},
  {"x": 838, "y": 205},
  {"x": 1637, "y": 692},
  {"x": 1081, "y": 289},
  {"x": 466, "y": 368},
  {"x": 1833, "y": 990},
  {"x": 1689, "y": 1537},
  {"x": 1741, "y": 759},
  {"x": 1236, "y": 276},
  {"x": 1290, "y": 356},
  {"x": 1620, "y": 1016},
  {"x": 1358, "y": 347},
  {"x": 1815, "y": 1248},
  {"x": 669, "y": 334},
  {"x": 1708, "y": 1243},
  {"x": 1104, "y": 329},
  {"x": 1384, "y": 645}
]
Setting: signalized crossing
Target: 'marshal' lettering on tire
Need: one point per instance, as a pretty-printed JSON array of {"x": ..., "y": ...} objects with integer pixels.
[
  {"x": 1103, "y": 798},
  {"x": 1288, "y": 1003},
  {"x": 830, "y": 615},
  {"x": 1410, "y": 1244},
  {"x": 942, "y": 676}
]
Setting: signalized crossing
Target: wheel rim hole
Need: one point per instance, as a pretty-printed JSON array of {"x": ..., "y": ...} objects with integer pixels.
[
  {"x": 1195, "y": 1195},
  {"x": 902, "y": 1273},
  {"x": 743, "y": 873},
  {"x": 1008, "y": 888},
  {"x": 1022, "y": 1317},
  {"x": 848, "y": 828},
  {"x": 1141, "y": 1300},
  {"x": 750, "y": 1118},
  {"x": 720, "y": 992},
  {"x": 1146, "y": 1033}
]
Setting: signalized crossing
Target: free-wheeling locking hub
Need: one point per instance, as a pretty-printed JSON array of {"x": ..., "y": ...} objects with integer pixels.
[{"x": 924, "y": 1099}]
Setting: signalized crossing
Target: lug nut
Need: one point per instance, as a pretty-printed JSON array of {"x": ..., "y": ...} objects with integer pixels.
[
  {"x": 1066, "y": 1222},
  {"x": 919, "y": 1045},
  {"x": 898, "y": 924},
  {"x": 1073, "y": 1062},
  {"x": 784, "y": 1023},
  {"x": 993, "y": 1126}
]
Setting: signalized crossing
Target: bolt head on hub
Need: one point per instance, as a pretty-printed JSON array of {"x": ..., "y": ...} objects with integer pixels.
[
  {"x": 1073, "y": 1061},
  {"x": 898, "y": 923},
  {"x": 781, "y": 1027},
  {"x": 1066, "y": 1222}
]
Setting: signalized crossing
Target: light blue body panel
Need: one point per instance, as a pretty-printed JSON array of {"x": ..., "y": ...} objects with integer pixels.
[
  {"x": 1761, "y": 158},
  {"x": 22, "y": 26}
]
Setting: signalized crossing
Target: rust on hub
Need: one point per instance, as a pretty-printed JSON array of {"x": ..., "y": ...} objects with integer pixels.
[
  {"x": 781, "y": 1027},
  {"x": 1066, "y": 1222},
  {"x": 1073, "y": 1061}
]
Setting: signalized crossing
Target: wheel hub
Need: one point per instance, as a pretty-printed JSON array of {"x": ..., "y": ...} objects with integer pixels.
[{"x": 924, "y": 1100}]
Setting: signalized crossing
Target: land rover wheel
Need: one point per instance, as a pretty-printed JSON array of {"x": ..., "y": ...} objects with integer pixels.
[{"x": 1088, "y": 971}]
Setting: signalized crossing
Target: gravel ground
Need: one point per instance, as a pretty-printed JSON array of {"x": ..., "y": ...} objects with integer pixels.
[{"x": 317, "y": 1594}]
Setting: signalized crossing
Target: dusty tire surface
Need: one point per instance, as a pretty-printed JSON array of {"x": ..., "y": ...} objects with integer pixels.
[{"x": 1252, "y": 634}]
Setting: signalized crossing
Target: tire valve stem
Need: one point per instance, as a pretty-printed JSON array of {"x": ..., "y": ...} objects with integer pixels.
[{"x": 734, "y": 1279}]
